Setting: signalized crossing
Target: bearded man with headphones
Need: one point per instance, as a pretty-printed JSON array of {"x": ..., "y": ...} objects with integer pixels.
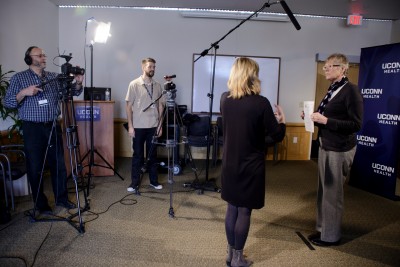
[{"x": 35, "y": 93}]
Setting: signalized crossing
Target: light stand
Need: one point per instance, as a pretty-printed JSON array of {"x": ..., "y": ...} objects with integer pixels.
[
  {"x": 101, "y": 35},
  {"x": 210, "y": 185}
]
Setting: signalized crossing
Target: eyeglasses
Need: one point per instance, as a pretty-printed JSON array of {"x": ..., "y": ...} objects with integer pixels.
[
  {"x": 328, "y": 67},
  {"x": 40, "y": 55}
]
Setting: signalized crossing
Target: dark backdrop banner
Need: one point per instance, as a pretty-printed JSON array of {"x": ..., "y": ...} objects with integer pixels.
[{"x": 375, "y": 164}]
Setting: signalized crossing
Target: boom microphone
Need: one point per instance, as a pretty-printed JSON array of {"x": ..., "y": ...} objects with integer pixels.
[
  {"x": 290, "y": 14},
  {"x": 169, "y": 76}
]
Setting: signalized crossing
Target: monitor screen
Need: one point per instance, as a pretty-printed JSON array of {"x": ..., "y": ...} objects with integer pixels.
[{"x": 99, "y": 93}]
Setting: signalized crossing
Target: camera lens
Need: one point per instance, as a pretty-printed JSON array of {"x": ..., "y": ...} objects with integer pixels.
[{"x": 77, "y": 71}]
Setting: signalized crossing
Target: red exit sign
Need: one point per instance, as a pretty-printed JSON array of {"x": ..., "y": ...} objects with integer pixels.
[{"x": 354, "y": 20}]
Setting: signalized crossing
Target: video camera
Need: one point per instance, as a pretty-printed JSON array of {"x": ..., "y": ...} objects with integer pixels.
[
  {"x": 67, "y": 76},
  {"x": 68, "y": 69},
  {"x": 169, "y": 85},
  {"x": 170, "y": 90}
]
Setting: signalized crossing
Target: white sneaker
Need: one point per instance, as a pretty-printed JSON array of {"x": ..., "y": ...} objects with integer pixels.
[
  {"x": 132, "y": 189},
  {"x": 156, "y": 186}
]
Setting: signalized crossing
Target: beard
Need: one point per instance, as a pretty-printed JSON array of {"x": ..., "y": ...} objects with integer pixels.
[
  {"x": 39, "y": 64},
  {"x": 150, "y": 73}
]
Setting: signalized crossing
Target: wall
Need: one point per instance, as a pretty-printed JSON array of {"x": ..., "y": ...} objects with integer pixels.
[
  {"x": 395, "y": 32},
  {"x": 172, "y": 40},
  {"x": 23, "y": 24}
]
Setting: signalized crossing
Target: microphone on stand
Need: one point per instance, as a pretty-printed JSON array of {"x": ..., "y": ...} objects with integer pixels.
[{"x": 290, "y": 15}]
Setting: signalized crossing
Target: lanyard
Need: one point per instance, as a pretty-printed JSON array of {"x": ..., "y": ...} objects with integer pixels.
[{"x": 148, "y": 92}]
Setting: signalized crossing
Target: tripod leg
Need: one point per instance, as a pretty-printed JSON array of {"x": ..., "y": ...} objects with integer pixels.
[
  {"x": 195, "y": 184},
  {"x": 108, "y": 164}
]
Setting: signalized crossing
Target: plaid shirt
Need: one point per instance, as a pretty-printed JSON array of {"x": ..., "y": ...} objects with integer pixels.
[{"x": 31, "y": 108}]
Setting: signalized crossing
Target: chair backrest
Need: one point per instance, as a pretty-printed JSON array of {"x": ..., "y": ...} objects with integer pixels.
[{"x": 199, "y": 127}]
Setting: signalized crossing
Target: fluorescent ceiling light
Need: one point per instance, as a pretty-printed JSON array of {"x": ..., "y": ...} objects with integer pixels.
[{"x": 234, "y": 15}]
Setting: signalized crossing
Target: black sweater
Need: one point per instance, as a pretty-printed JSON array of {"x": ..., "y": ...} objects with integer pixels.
[{"x": 344, "y": 112}]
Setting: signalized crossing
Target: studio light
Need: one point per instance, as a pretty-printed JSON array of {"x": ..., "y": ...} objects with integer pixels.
[
  {"x": 102, "y": 32},
  {"x": 97, "y": 31}
]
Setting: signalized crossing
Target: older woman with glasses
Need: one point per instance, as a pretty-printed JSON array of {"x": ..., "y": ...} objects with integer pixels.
[{"x": 339, "y": 118}]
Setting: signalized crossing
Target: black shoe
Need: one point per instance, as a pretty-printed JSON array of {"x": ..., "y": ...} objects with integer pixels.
[
  {"x": 45, "y": 210},
  {"x": 66, "y": 204},
  {"x": 315, "y": 235},
  {"x": 5, "y": 216},
  {"x": 321, "y": 243}
]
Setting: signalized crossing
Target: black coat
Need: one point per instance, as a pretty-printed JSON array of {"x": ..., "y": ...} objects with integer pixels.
[{"x": 246, "y": 123}]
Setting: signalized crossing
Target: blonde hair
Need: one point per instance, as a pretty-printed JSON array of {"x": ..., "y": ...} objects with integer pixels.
[
  {"x": 149, "y": 59},
  {"x": 243, "y": 79}
]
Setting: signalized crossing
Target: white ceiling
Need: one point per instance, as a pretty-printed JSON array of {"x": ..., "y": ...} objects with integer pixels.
[{"x": 372, "y": 9}]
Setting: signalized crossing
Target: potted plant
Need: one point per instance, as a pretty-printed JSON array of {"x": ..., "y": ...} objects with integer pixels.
[{"x": 6, "y": 113}]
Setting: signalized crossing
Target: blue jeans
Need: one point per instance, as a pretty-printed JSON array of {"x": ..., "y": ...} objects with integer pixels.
[
  {"x": 143, "y": 136},
  {"x": 36, "y": 137}
]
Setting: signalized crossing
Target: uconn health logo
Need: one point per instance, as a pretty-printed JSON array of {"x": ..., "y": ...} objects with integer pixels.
[
  {"x": 388, "y": 119},
  {"x": 391, "y": 67},
  {"x": 83, "y": 113},
  {"x": 371, "y": 92},
  {"x": 383, "y": 169},
  {"x": 364, "y": 140}
]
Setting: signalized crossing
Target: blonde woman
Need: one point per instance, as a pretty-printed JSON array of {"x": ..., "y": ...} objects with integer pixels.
[{"x": 247, "y": 121}]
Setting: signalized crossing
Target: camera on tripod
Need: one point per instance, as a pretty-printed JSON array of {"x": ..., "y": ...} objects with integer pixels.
[
  {"x": 169, "y": 85},
  {"x": 67, "y": 75},
  {"x": 170, "y": 89},
  {"x": 67, "y": 69}
]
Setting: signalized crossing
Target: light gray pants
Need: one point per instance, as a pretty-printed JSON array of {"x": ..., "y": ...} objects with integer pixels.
[{"x": 333, "y": 168}]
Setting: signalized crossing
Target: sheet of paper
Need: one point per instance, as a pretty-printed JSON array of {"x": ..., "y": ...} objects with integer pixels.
[{"x": 308, "y": 110}]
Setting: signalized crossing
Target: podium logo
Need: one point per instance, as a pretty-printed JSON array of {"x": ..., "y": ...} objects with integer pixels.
[
  {"x": 389, "y": 119},
  {"x": 383, "y": 169},
  {"x": 391, "y": 67},
  {"x": 371, "y": 92},
  {"x": 364, "y": 140}
]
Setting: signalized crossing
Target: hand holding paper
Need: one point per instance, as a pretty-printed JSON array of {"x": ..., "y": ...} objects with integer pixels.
[{"x": 308, "y": 110}]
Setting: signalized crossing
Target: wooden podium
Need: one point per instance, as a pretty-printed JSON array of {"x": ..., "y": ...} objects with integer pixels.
[{"x": 103, "y": 135}]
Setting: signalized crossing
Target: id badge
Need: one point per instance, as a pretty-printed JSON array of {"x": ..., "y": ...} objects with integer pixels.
[{"x": 43, "y": 102}]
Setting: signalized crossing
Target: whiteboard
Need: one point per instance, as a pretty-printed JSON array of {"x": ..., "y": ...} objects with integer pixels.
[{"x": 202, "y": 80}]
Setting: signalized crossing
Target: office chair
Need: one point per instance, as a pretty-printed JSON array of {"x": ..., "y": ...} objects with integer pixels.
[
  {"x": 197, "y": 132},
  {"x": 13, "y": 167}
]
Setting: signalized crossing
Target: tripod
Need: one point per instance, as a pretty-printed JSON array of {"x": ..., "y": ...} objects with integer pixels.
[
  {"x": 170, "y": 143},
  {"x": 71, "y": 141}
]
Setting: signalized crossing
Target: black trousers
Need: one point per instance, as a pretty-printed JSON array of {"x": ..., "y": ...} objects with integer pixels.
[
  {"x": 36, "y": 141},
  {"x": 142, "y": 137}
]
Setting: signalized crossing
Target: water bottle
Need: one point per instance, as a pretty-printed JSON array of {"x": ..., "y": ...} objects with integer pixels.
[{"x": 108, "y": 97}]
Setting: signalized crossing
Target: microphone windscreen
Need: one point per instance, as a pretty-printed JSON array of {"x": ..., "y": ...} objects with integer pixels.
[{"x": 290, "y": 14}]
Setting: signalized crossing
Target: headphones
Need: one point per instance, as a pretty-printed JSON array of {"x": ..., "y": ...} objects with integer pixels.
[{"x": 28, "y": 58}]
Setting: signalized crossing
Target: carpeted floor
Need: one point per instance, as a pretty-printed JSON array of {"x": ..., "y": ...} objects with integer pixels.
[{"x": 123, "y": 229}]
